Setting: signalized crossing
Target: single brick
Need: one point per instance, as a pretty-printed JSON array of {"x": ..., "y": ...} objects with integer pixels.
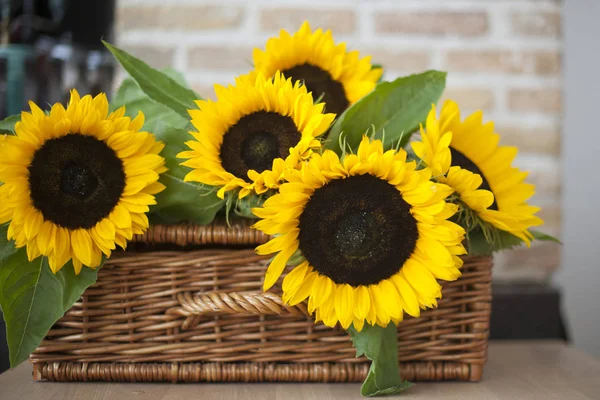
[
  {"x": 470, "y": 99},
  {"x": 178, "y": 17},
  {"x": 548, "y": 101},
  {"x": 340, "y": 21},
  {"x": 405, "y": 61},
  {"x": 539, "y": 62},
  {"x": 220, "y": 58},
  {"x": 442, "y": 23},
  {"x": 536, "y": 24}
]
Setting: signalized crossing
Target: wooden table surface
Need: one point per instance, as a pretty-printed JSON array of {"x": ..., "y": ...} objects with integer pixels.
[{"x": 515, "y": 370}]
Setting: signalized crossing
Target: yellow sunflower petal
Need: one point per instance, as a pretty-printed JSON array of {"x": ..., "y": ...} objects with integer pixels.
[
  {"x": 304, "y": 290},
  {"x": 277, "y": 265},
  {"x": 294, "y": 279},
  {"x": 362, "y": 302},
  {"x": 409, "y": 298},
  {"x": 344, "y": 305},
  {"x": 82, "y": 246}
]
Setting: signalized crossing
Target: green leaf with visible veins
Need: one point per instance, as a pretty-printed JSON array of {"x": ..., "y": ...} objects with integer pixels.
[
  {"x": 380, "y": 345},
  {"x": 135, "y": 100},
  {"x": 32, "y": 299},
  {"x": 393, "y": 110},
  {"x": 157, "y": 85}
]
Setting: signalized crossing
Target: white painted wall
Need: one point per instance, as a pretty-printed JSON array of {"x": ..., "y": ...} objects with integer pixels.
[{"x": 580, "y": 273}]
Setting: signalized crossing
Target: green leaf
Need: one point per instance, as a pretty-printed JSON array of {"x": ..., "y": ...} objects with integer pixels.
[
  {"x": 543, "y": 237},
  {"x": 181, "y": 201},
  {"x": 130, "y": 92},
  {"x": 380, "y": 345},
  {"x": 135, "y": 100},
  {"x": 7, "y": 125},
  {"x": 244, "y": 206},
  {"x": 7, "y": 247},
  {"x": 177, "y": 77},
  {"x": 394, "y": 110},
  {"x": 157, "y": 85},
  {"x": 33, "y": 299},
  {"x": 478, "y": 244}
]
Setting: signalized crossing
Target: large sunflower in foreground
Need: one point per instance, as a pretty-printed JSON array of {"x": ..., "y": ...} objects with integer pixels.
[
  {"x": 373, "y": 231},
  {"x": 78, "y": 181},
  {"x": 326, "y": 68},
  {"x": 465, "y": 155},
  {"x": 252, "y": 133}
]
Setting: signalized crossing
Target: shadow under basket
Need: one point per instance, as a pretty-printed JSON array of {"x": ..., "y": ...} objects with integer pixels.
[{"x": 185, "y": 304}]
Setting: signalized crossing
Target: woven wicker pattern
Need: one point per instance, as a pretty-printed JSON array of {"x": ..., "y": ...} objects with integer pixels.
[
  {"x": 200, "y": 315},
  {"x": 218, "y": 233}
]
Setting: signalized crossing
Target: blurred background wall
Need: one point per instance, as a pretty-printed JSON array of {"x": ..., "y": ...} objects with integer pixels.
[
  {"x": 503, "y": 56},
  {"x": 580, "y": 274}
]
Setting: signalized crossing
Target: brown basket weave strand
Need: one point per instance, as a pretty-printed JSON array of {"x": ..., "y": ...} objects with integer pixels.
[
  {"x": 240, "y": 372},
  {"x": 200, "y": 315},
  {"x": 219, "y": 233}
]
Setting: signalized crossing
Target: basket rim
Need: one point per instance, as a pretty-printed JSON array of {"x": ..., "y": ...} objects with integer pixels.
[{"x": 238, "y": 232}]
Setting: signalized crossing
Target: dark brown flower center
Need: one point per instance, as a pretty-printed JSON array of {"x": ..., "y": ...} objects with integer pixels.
[
  {"x": 75, "y": 181},
  {"x": 78, "y": 180},
  {"x": 460, "y": 160},
  {"x": 357, "y": 230},
  {"x": 320, "y": 83},
  {"x": 256, "y": 140}
]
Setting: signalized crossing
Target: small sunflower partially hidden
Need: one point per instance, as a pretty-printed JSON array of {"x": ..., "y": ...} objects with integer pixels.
[
  {"x": 373, "y": 231},
  {"x": 77, "y": 181},
  {"x": 326, "y": 68},
  {"x": 465, "y": 155},
  {"x": 253, "y": 132}
]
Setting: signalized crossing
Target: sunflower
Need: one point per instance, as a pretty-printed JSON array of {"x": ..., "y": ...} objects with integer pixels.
[
  {"x": 327, "y": 69},
  {"x": 466, "y": 156},
  {"x": 77, "y": 181},
  {"x": 374, "y": 234},
  {"x": 252, "y": 133}
]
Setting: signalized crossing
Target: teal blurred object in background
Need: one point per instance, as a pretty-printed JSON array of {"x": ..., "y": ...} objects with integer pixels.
[
  {"x": 14, "y": 60},
  {"x": 48, "y": 47}
]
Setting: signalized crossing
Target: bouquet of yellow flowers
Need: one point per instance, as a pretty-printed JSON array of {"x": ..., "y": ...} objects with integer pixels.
[{"x": 370, "y": 195}]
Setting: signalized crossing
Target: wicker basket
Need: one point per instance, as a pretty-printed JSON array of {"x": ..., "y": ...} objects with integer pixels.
[{"x": 199, "y": 314}]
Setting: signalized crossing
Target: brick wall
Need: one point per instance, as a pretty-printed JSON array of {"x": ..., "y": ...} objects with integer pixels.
[{"x": 503, "y": 56}]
